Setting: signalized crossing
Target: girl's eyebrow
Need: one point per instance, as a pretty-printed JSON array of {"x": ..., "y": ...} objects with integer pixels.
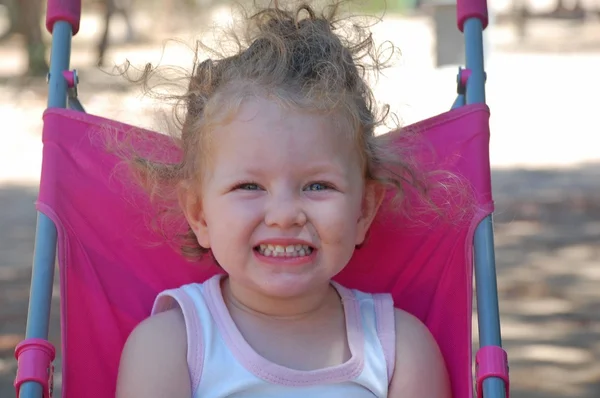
[
  {"x": 315, "y": 168},
  {"x": 326, "y": 167}
]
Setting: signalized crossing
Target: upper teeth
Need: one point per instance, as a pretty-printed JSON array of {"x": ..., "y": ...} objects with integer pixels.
[{"x": 285, "y": 251}]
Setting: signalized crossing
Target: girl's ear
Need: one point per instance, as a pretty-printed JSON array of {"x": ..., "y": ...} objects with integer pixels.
[
  {"x": 373, "y": 197},
  {"x": 191, "y": 205}
]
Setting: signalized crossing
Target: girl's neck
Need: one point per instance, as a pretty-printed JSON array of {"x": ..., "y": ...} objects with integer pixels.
[{"x": 276, "y": 308}]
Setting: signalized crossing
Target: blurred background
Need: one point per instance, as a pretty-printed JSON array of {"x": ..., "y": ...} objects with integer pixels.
[{"x": 543, "y": 58}]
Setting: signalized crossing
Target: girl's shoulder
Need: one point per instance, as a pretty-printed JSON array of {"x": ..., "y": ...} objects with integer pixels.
[
  {"x": 168, "y": 323},
  {"x": 419, "y": 367},
  {"x": 154, "y": 358}
]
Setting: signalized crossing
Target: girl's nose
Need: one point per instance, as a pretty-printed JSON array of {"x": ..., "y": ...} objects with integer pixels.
[{"x": 284, "y": 211}]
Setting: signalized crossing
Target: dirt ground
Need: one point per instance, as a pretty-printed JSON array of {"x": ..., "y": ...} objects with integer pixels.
[{"x": 546, "y": 185}]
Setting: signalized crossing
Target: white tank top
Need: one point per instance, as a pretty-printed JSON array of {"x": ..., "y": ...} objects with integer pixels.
[{"x": 222, "y": 364}]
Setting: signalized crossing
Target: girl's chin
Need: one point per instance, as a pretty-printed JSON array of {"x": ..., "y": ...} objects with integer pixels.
[{"x": 286, "y": 284}]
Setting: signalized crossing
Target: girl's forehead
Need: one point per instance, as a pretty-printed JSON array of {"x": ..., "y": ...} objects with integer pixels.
[
  {"x": 264, "y": 139},
  {"x": 264, "y": 127}
]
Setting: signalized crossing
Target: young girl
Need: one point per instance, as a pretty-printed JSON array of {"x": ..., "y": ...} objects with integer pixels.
[{"x": 280, "y": 180}]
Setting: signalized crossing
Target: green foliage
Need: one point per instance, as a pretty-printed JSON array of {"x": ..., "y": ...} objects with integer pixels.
[{"x": 379, "y": 7}]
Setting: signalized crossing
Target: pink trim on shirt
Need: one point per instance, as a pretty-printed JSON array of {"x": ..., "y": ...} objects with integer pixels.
[
  {"x": 282, "y": 375},
  {"x": 386, "y": 329},
  {"x": 195, "y": 345}
]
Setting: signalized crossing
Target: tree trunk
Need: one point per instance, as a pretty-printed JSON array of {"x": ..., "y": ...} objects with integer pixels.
[{"x": 31, "y": 22}]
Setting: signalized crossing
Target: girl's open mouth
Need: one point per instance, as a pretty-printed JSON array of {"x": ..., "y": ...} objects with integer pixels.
[{"x": 270, "y": 250}]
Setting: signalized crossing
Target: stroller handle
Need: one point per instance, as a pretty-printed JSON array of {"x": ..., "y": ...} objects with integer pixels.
[
  {"x": 63, "y": 10},
  {"x": 70, "y": 11},
  {"x": 467, "y": 9}
]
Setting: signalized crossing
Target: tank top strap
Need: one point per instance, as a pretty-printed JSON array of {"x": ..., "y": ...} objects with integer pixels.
[
  {"x": 378, "y": 319},
  {"x": 189, "y": 298}
]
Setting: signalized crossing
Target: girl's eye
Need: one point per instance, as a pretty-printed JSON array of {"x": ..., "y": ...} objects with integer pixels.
[
  {"x": 317, "y": 186},
  {"x": 248, "y": 186}
]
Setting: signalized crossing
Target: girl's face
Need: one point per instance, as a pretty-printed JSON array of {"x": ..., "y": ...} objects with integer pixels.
[{"x": 283, "y": 202}]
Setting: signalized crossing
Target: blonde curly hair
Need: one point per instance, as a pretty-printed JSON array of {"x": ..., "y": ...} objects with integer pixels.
[{"x": 304, "y": 60}]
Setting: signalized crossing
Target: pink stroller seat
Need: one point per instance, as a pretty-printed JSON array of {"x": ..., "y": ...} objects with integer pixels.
[{"x": 112, "y": 267}]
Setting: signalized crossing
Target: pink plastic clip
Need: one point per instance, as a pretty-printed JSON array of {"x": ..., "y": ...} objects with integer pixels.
[
  {"x": 34, "y": 358},
  {"x": 69, "y": 76},
  {"x": 64, "y": 10},
  {"x": 466, "y": 9},
  {"x": 464, "y": 76},
  {"x": 491, "y": 361}
]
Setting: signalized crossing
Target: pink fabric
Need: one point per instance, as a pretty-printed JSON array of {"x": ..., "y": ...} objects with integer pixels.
[{"x": 112, "y": 269}]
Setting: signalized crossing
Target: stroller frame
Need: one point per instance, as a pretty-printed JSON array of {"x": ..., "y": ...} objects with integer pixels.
[{"x": 62, "y": 21}]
